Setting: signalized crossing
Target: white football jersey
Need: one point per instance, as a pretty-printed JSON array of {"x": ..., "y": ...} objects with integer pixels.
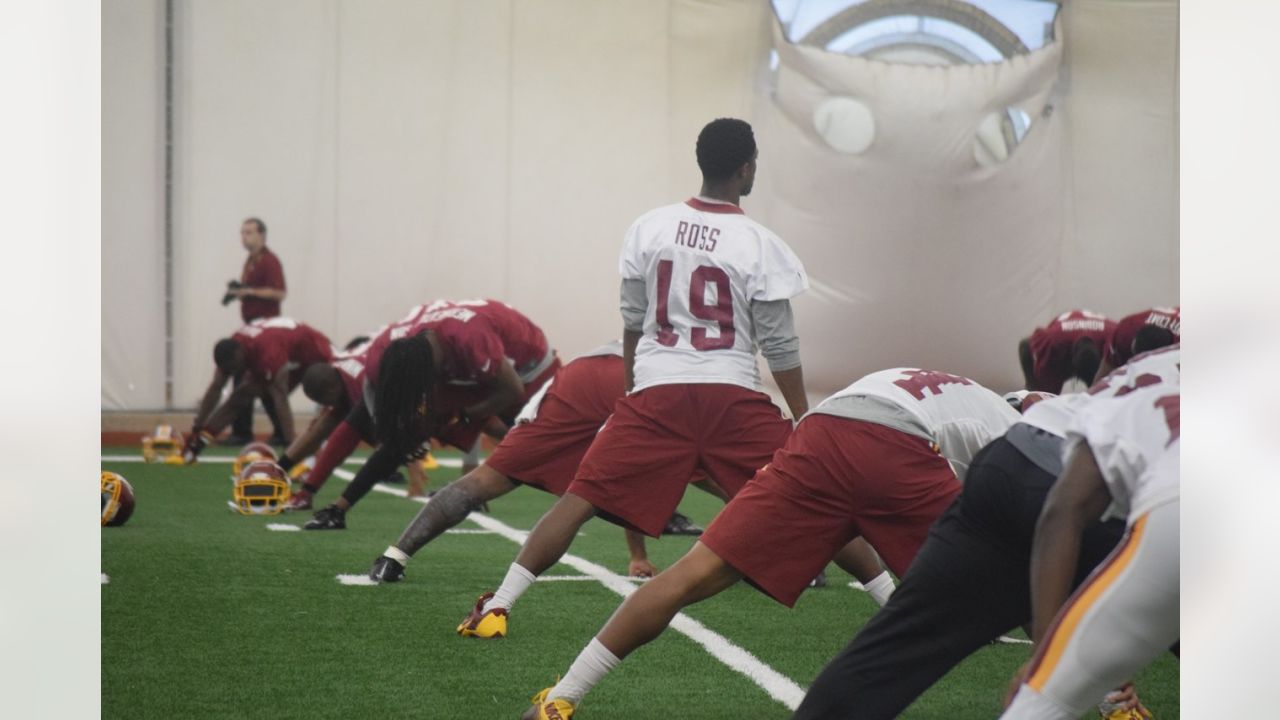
[
  {"x": 960, "y": 415},
  {"x": 703, "y": 263},
  {"x": 1158, "y": 366},
  {"x": 1128, "y": 434}
]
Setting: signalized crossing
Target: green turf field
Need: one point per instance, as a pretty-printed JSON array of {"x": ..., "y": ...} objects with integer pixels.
[{"x": 208, "y": 614}]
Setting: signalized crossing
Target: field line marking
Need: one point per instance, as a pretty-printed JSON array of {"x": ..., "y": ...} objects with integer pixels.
[
  {"x": 778, "y": 686},
  {"x": 444, "y": 462}
]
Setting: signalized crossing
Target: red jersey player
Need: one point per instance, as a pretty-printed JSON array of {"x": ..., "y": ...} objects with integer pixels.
[
  {"x": 1138, "y": 333},
  {"x": 449, "y": 370},
  {"x": 1069, "y": 347},
  {"x": 272, "y": 354},
  {"x": 880, "y": 459},
  {"x": 703, "y": 286}
]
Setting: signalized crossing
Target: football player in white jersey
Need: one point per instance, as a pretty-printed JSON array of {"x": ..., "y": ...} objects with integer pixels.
[
  {"x": 881, "y": 460},
  {"x": 970, "y": 582},
  {"x": 703, "y": 286},
  {"x": 1122, "y": 460}
]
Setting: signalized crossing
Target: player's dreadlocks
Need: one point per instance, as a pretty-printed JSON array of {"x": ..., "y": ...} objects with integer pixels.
[
  {"x": 404, "y": 394},
  {"x": 724, "y": 145}
]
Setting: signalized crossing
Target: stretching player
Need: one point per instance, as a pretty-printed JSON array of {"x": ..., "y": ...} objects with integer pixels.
[
  {"x": 1069, "y": 347},
  {"x": 484, "y": 360},
  {"x": 970, "y": 582},
  {"x": 1122, "y": 459},
  {"x": 702, "y": 286},
  {"x": 878, "y": 460},
  {"x": 1138, "y": 333},
  {"x": 272, "y": 354}
]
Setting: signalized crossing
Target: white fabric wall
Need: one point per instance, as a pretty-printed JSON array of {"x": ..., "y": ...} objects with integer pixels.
[
  {"x": 133, "y": 204},
  {"x": 401, "y": 151}
]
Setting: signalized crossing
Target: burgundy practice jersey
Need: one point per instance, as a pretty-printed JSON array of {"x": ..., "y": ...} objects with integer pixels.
[
  {"x": 476, "y": 336},
  {"x": 1120, "y": 348},
  {"x": 1051, "y": 344},
  {"x": 279, "y": 344}
]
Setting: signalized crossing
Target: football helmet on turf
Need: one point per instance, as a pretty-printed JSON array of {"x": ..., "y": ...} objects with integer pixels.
[
  {"x": 163, "y": 443},
  {"x": 249, "y": 454},
  {"x": 261, "y": 489},
  {"x": 117, "y": 499}
]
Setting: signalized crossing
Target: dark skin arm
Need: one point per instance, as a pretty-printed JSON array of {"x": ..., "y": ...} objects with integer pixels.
[
  {"x": 310, "y": 440},
  {"x": 791, "y": 385},
  {"x": 1077, "y": 499},
  {"x": 278, "y": 389},
  {"x": 239, "y": 399},
  {"x": 210, "y": 399},
  {"x": 505, "y": 389},
  {"x": 630, "y": 339}
]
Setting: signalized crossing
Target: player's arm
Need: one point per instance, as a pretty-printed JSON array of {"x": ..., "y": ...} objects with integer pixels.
[
  {"x": 238, "y": 400},
  {"x": 634, "y": 305},
  {"x": 309, "y": 440},
  {"x": 278, "y": 389},
  {"x": 1077, "y": 499},
  {"x": 505, "y": 388},
  {"x": 775, "y": 333},
  {"x": 639, "y": 565},
  {"x": 210, "y": 399},
  {"x": 266, "y": 293}
]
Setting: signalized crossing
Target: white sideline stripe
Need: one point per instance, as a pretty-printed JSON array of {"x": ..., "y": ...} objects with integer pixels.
[
  {"x": 105, "y": 579},
  {"x": 356, "y": 580},
  {"x": 1013, "y": 640},
  {"x": 775, "y": 684},
  {"x": 284, "y": 527}
]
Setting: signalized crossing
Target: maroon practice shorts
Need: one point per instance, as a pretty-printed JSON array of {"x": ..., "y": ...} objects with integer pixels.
[
  {"x": 836, "y": 479},
  {"x": 637, "y": 469},
  {"x": 546, "y": 452}
]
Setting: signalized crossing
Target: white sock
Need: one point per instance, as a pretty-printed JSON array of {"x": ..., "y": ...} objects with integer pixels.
[
  {"x": 593, "y": 663},
  {"x": 513, "y": 586},
  {"x": 396, "y": 554},
  {"x": 880, "y": 588}
]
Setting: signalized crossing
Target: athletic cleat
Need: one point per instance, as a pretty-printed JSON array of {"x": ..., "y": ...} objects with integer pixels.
[
  {"x": 386, "y": 569},
  {"x": 481, "y": 624},
  {"x": 681, "y": 525},
  {"x": 300, "y": 500},
  {"x": 544, "y": 709},
  {"x": 327, "y": 518},
  {"x": 820, "y": 581}
]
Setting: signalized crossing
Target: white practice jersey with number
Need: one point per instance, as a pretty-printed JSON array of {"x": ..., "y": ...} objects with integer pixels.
[
  {"x": 960, "y": 415},
  {"x": 1128, "y": 433},
  {"x": 1158, "y": 366},
  {"x": 703, "y": 263}
]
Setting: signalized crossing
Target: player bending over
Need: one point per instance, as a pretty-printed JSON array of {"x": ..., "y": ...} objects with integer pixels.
[{"x": 1069, "y": 347}]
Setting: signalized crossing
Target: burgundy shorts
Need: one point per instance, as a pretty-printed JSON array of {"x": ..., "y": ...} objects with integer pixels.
[
  {"x": 546, "y": 452},
  {"x": 637, "y": 469},
  {"x": 452, "y": 398},
  {"x": 836, "y": 479}
]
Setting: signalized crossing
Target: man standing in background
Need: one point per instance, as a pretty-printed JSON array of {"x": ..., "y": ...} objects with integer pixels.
[{"x": 260, "y": 291}]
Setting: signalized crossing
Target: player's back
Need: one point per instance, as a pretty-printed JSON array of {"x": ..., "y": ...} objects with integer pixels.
[
  {"x": 703, "y": 264},
  {"x": 271, "y": 342}
]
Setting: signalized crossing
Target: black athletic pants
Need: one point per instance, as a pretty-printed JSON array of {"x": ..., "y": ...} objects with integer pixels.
[{"x": 969, "y": 584}]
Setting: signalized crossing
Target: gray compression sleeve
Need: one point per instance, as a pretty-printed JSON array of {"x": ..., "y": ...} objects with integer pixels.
[
  {"x": 776, "y": 333},
  {"x": 635, "y": 303}
]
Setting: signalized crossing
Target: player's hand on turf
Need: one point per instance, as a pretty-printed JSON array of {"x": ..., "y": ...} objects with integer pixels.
[
  {"x": 196, "y": 443},
  {"x": 1125, "y": 697},
  {"x": 642, "y": 568}
]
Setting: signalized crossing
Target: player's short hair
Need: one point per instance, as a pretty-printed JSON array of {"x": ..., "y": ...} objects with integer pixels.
[
  {"x": 356, "y": 342},
  {"x": 262, "y": 227},
  {"x": 225, "y": 353},
  {"x": 320, "y": 381},
  {"x": 725, "y": 145},
  {"x": 404, "y": 395},
  {"x": 1150, "y": 337}
]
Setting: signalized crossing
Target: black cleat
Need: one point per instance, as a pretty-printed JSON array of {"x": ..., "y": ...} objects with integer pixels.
[
  {"x": 820, "y": 581},
  {"x": 681, "y": 525},
  {"x": 327, "y": 518},
  {"x": 386, "y": 569}
]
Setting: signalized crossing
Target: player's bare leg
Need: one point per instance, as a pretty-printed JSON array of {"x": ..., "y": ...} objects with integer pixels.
[
  {"x": 643, "y": 616},
  {"x": 860, "y": 560},
  {"x": 447, "y": 508},
  {"x": 546, "y": 544}
]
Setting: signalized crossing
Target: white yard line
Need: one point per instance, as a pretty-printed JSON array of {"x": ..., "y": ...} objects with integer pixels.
[
  {"x": 775, "y": 684},
  {"x": 444, "y": 462}
]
